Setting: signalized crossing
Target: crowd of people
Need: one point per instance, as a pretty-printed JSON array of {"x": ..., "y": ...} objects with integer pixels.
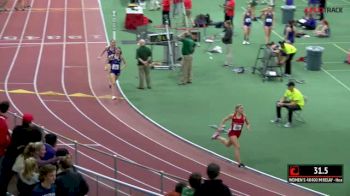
[
  {"x": 34, "y": 161},
  {"x": 199, "y": 187}
]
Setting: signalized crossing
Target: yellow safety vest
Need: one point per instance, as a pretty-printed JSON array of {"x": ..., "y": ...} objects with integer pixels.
[{"x": 289, "y": 48}]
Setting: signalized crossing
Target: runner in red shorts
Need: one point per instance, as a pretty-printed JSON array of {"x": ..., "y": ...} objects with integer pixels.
[{"x": 238, "y": 118}]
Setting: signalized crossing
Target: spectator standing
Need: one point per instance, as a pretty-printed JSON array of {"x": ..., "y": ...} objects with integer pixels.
[
  {"x": 293, "y": 100},
  {"x": 188, "y": 47},
  {"x": 144, "y": 58},
  {"x": 47, "y": 177},
  {"x": 213, "y": 186},
  {"x": 28, "y": 177},
  {"x": 195, "y": 181},
  {"x": 50, "y": 145},
  {"x": 227, "y": 40},
  {"x": 166, "y": 12},
  {"x": 322, "y": 8},
  {"x": 229, "y": 8},
  {"x": 70, "y": 182},
  {"x": 5, "y": 137}
]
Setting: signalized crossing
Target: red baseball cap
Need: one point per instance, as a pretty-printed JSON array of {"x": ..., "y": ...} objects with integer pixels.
[{"x": 27, "y": 118}]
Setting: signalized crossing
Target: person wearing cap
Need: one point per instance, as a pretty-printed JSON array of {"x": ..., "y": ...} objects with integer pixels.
[
  {"x": 289, "y": 50},
  {"x": 293, "y": 100},
  {"x": 144, "y": 58},
  {"x": 22, "y": 135}
]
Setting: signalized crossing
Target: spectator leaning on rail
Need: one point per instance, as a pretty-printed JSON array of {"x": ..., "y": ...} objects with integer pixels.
[
  {"x": 213, "y": 186},
  {"x": 50, "y": 145},
  {"x": 68, "y": 181},
  {"x": 178, "y": 189},
  {"x": 195, "y": 181}
]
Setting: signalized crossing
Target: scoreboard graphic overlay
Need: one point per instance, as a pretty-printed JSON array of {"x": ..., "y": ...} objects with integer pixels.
[{"x": 315, "y": 173}]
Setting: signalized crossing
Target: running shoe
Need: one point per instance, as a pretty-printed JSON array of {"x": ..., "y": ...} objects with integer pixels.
[
  {"x": 215, "y": 135},
  {"x": 114, "y": 97},
  {"x": 241, "y": 165}
]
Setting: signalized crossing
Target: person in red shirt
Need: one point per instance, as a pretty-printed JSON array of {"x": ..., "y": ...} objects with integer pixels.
[
  {"x": 5, "y": 137},
  {"x": 188, "y": 20},
  {"x": 229, "y": 8},
  {"x": 166, "y": 12},
  {"x": 238, "y": 118}
]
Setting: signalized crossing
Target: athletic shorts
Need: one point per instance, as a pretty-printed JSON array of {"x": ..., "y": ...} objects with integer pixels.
[{"x": 236, "y": 133}]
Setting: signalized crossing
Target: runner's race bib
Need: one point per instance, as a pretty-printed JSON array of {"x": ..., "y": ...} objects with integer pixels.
[
  {"x": 269, "y": 20},
  {"x": 237, "y": 127},
  {"x": 115, "y": 67},
  {"x": 248, "y": 20}
]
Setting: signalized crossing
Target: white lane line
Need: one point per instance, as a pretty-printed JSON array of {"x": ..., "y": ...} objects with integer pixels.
[
  {"x": 15, "y": 58},
  {"x": 340, "y": 48},
  {"x": 7, "y": 20},
  {"x": 47, "y": 43},
  {"x": 338, "y": 70},
  {"x": 55, "y": 100}
]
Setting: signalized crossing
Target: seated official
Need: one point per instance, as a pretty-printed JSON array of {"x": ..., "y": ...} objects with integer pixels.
[
  {"x": 323, "y": 29},
  {"x": 292, "y": 100},
  {"x": 308, "y": 22}
]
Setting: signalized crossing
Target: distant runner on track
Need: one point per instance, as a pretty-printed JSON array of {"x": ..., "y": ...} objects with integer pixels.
[
  {"x": 113, "y": 64},
  {"x": 238, "y": 118},
  {"x": 110, "y": 50}
]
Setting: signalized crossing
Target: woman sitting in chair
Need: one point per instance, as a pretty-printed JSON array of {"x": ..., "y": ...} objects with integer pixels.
[{"x": 323, "y": 29}]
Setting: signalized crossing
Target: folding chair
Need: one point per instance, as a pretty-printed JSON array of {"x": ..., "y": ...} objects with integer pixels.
[{"x": 298, "y": 114}]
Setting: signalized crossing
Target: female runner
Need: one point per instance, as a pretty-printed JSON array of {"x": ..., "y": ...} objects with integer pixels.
[{"x": 238, "y": 118}]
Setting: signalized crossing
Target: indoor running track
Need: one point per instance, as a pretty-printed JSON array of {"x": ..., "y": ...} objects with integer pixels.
[{"x": 53, "y": 47}]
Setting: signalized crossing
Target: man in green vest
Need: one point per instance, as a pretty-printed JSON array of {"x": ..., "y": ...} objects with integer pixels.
[{"x": 188, "y": 46}]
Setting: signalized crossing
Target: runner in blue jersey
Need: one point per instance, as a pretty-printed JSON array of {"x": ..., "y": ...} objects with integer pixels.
[
  {"x": 268, "y": 23},
  {"x": 247, "y": 22},
  {"x": 110, "y": 51},
  {"x": 115, "y": 62},
  {"x": 289, "y": 32}
]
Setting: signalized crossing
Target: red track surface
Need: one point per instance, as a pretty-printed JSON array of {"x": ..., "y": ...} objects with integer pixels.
[{"x": 55, "y": 50}]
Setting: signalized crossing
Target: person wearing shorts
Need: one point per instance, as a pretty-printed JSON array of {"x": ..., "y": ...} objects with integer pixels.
[
  {"x": 238, "y": 119},
  {"x": 110, "y": 51},
  {"x": 268, "y": 24},
  {"x": 247, "y": 23},
  {"x": 115, "y": 63}
]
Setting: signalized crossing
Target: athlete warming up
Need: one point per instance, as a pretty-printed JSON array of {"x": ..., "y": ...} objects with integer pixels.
[{"x": 238, "y": 118}]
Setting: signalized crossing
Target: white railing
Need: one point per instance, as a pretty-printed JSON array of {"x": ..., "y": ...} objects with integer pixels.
[{"x": 81, "y": 151}]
